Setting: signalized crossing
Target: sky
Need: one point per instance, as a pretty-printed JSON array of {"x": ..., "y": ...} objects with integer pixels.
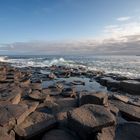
[{"x": 68, "y": 23}]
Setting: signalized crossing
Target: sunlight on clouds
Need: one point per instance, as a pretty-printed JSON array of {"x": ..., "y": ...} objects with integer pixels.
[{"x": 127, "y": 29}]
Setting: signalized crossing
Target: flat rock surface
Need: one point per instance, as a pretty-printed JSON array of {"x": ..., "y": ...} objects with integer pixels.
[
  {"x": 131, "y": 86},
  {"x": 129, "y": 111},
  {"x": 35, "y": 124},
  {"x": 90, "y": 118},
  {"x": 100, "y": 98}
]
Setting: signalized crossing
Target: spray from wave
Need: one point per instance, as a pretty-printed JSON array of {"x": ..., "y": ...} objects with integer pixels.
[{"x": 123, "y": 65}]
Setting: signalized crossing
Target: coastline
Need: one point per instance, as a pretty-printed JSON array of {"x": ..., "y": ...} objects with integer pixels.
[{"x": 74, "y": 102}]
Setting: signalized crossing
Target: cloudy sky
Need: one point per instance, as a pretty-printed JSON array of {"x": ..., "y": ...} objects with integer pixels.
[{"x": 70, "y": 26}]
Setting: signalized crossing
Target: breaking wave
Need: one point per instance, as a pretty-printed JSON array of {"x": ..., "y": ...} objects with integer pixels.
[{"x": 123, "y": 65}]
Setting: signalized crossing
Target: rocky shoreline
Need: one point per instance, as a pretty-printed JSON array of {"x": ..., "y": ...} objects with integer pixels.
[{"x": 61, "y": 103}]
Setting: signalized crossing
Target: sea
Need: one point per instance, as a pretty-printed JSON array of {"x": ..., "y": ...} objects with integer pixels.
[{"x": 124, "y": 65}]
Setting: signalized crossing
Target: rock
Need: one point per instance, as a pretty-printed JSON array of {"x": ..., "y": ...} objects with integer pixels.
[
  {"x": 9, "y": 114},
  {"x": 89, "y": 119},
  {"x": 121, "y": 98},
  {"x": 52, "y": 76},
  {"x": 61, "y": 104},
  {"x": 25, "y": 82},
  {"x": 128, "y": 131},
  {"x": 58, "y": 134},
  {"x": 78, "y": 82},
  {"x": 54, "y": 91},
  {"x": 135, "y": 102},
  {"x": 131, "y": 86},
  {"x": 68, "y": 92},
  {"x": 11, "y": 94},
  {"x": 31, "y": 108},
  {"x": 35, "y": 124},
  {"x": 36, "y": 86},
  {"x": 113, "y": 109},
  {"x": 100, "y": 98},
  {"x": 46, "y": 91},
  {"x": 14, "y": 114},
  {"x": 129, "y": 112},
  {"x": 109, "y": 82},
  {"x": 37, "y": 95},
  {"x": 107, "y": 133},
  {"x": 5, "y": 136}
]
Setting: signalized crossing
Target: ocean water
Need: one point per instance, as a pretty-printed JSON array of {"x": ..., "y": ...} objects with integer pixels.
[{"x": 124, "y": 65}]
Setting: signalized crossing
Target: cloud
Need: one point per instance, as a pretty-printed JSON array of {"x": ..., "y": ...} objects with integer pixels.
[
  {"x": 120, "y": 38},
  {"x": 123, "y": 18},
  {"x": 127, "y": 29},
  {"x": 126, "y": 45}
]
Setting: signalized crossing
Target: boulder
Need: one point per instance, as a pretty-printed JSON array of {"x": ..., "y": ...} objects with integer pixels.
[
  {"x": 128, "y": 111},
  {"x": 35, "y": 124},
  {"x": 100, "y": 98},
  {"x": 107, "y": 133},
  {"x": 131, "y": 86},
  {"x": 89, "y": 119},
  {"x": 128, "y": 131},
  {"x": 58, "y": 134}
]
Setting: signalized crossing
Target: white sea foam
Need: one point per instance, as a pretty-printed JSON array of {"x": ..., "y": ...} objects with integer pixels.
[
  {"x": 3, "y": 58},
  {"x": 124, "y": 65}
]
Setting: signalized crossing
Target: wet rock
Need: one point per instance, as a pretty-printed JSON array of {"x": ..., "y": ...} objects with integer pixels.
[
  {"x": 107, "y": 133},
  {"x": 35, "y": 124},
  {"x": 128, "y": 131},
  {"x": 59, "y": 134},
  {"x": 131, "y": 86},
  {"x": 68, "y": 92},
  {"x": 129, "y": 112},
  {"x": 99, "y": 98},
  {"x": 109, "y": 83},
  {"x": 89, "y": 119},
  {"x": 5, "y": 136},
  {"x": 78, "y": 83}
]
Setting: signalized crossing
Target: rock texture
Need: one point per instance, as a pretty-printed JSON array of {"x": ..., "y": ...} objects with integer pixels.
[
  {"x": 90, "y": 118},
  {"x": 99, "y": 98}
]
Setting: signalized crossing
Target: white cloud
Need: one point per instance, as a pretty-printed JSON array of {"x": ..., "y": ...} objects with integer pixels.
[
  {"x": 117, "y": 31},
  {"x": 123, "y": 18}
]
